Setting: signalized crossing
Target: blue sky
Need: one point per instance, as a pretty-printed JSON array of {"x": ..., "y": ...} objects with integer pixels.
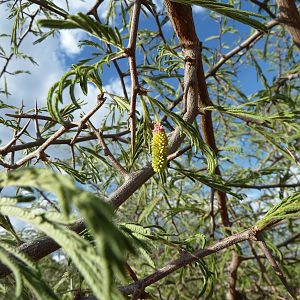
[{"x": 56, "y": 54}]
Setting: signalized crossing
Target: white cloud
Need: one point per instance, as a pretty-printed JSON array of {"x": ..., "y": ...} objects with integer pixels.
[
  {"x": 35, "y": 86},
  {"x": 74, "y": 6},
  {"x": 69, "y": 40},
  {"x": 115, "y": 87},
  {"x": 25, "y": 87},
  {"x": 198, "y": 9}
]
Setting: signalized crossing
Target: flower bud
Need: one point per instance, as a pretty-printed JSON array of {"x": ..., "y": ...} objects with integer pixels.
[{"x": 159, "y": 148}]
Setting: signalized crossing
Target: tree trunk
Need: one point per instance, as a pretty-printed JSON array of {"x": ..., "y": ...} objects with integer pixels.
[{"x": 290, "y": 18}]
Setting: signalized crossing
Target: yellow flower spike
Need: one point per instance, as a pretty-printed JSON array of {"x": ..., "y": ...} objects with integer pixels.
[{"x": 159, "y": 148}]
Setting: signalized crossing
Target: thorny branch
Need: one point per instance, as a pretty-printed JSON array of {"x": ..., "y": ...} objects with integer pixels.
[
  {"x": 39, "y": 153},
  {"x": 107, "y": 152},
  {"x": 53, "y": 8},
  {"x": 21, "y": 39},
  {"x": 244, "y": 45},
  {"x": 187, "y": 258},
  {"x": 135, "y": 88},
  {"x": 5, "y": 149},
  {"x": 39, "y": 142}
]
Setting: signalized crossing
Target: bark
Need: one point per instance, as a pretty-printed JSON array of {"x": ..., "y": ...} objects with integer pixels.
[
  {"x": 290, "y": 18},
  {"x": 233, "y": 268}
]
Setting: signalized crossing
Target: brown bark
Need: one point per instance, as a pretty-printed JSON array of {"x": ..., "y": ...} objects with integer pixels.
[
  {"x": 182, "y": 20},
  {"x": 263, "y": 246},
  {"x": 290, "y": 18},
  {"x": 233, "y": 268}
]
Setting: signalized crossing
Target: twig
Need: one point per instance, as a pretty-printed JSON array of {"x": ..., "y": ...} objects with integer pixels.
[
  {"x": 264, "y": 6},
  {"x": 212, "y": 213},
  {"x": 28, "y": 30},
  {"x": 93, "y": 10},
  {"x": 261, "y": 266},
  {"x": 107, "y": 152},
  {"x": 244, "y": 45},
  {"x": 39, "y": 153},
  {"x": 36, "y": 123},
  {"x": 288, "y": 241},
  {"x": 131, "y": 272},
  {"x": 85, "y": 118},
  {"x": 73, "y": 155},
  {"x": 133, "y": 71},
  {"x": 179, "y": 152},
  {"x": 33, "y": 116},
  {"x": 262, "y": 245},
  {"x": 49, "y": 201},
  {"x": 265, "y": 186},
  {"x": 293, "y": 156},
  {"x": 45, "y": 4},
  {"x": 12, "y": 160},
  {"x": 233, "y": 268},
  {"x": 284, "y": 78},
  {"x": 9, "y": 145},
  {"x": 115, "y": 136}
]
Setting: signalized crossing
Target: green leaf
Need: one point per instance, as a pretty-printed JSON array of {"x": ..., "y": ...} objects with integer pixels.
[
  {"x": 110, "y": 242},
  {"x": 214, "y": 182},
  {"x": 82, "y": 21},
  {"x": 26, "y": 271},
  {"x": 289, "y": 207}
]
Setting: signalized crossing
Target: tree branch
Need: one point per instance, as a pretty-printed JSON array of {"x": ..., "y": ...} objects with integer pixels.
[
  {"x": 133, "y": 71},
  {"x": 12, "y": 54},
  {"x": 264, "y": 6},
  {"x": 265, "y": 186},
  {"x": 233, "y": 268},
  {"x": 288, "y": 241},
  {"x": 55, "y": 9},
  {"x": 273, "y": 263},
  {"x": 107, "y": 152},
  {"x": 9, "y": 145},
  {"x": 187, "y": 258},
  {"x": 39, "y": 153},
  {"x": 244, "y": 45},
  {"x": 37, "y": 143}
]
